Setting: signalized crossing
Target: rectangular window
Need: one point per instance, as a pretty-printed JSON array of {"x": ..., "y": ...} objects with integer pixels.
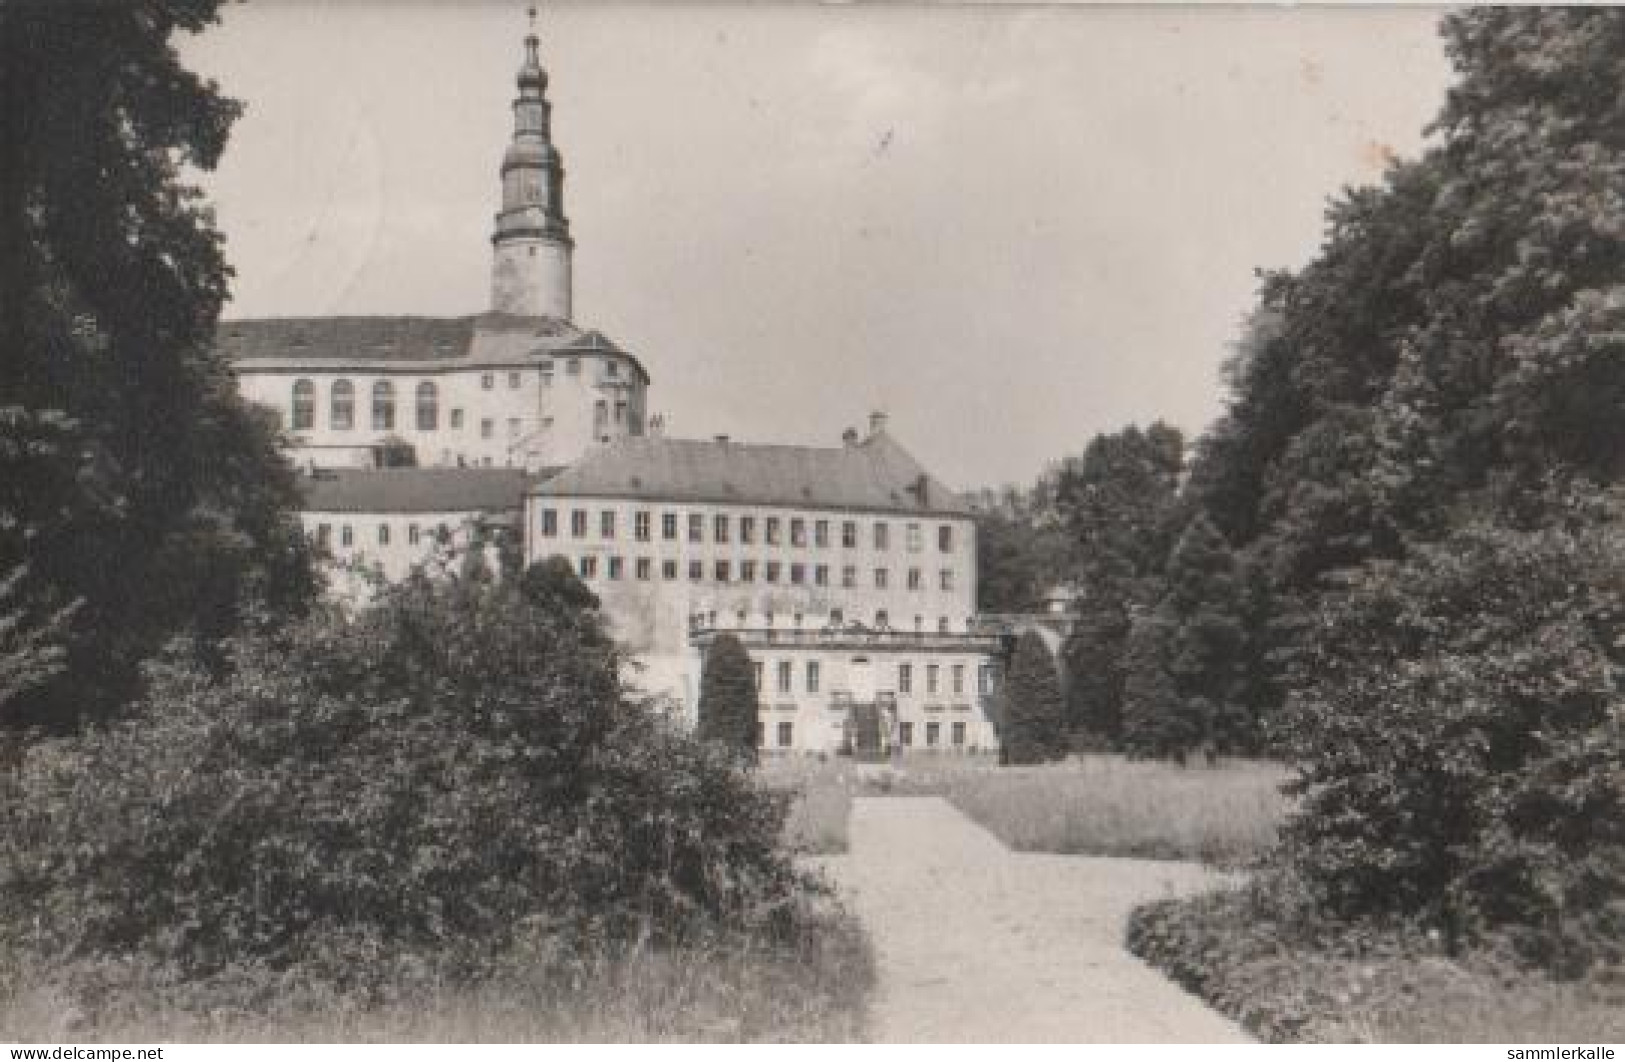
[
  {"x": 787, "y": 735},
  {"x": 984, "y": 679},
  {"x": 578, "y": 523},
  {"x": 945, "y": 578},
  {"x": 756, "y": 665},
  {"x": 821, "y": 534},
  {"x": 905, "y": 734},
  {"x": 933, "y": 735},
  {"x": 915, "y": 581},
  {"x": 747, "y": 529},
  {"x": 798, "y": 574},
  {"x": 640, "y": 526},
  {"x": 905, "y": 678},
  {"x": 487, "y": 381},
  {"x": 668, "y": 526},
  {"x": 849, "y": 577},
  {"x": 772, "y": 573},
  {"x": 798, "y": 531},
  {"x": 722, "y": 571},
  {"x": 413, "y": 534},
  {"x": 812, "y": 676},
  {"x": 696, "y": 571},
  {"x": 324, "y": 534},
  {"x": 787, "y": 673},
  {"x": 882, "y": 535},
  {"x": 668, "y": 570},
  {"x": 747, "y": 571},
  {"x": 513, "y": 381},
  {"x": 346, "y": 536},
  {"x": 772, "y": 531},
  {"x": 849, "y": 534},
  {"x": 945, "y": 538},
  {"x": 821, "y": 575},
  {"x": 931, "y": 672},
  {"x": 589, "y": 567},
  {"x": 958, "y": 731},
  {"x": 487, "y": 428},
  {"x": 959, "y": 678},
  {"x": 550, "y": 523},
  {"x": 915, "y": 542},
  {"x": 573, "y": 367},
  {"x": 643, "y": 567},
  {"x": 719, "y": 528},
  {"x": 880, "y": 578},
  {"x": 606, "y": 523},
  {"x": 383, "y": 534},
  {"x": 615, "y": 567},
  {"x": 457, "y": 419},
  {"x": 696, "y": 527}
]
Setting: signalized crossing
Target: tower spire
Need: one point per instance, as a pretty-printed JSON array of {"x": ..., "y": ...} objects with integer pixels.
[{"x": 531, "y": 243}]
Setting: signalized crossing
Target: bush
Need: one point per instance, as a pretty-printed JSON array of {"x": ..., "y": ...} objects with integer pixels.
[
  {"x": 728, "y": 697},
  {"x": 1458, "y": 721},
  {"x": 1032, "y": 725},
  {"x": 446, "y": 776}
]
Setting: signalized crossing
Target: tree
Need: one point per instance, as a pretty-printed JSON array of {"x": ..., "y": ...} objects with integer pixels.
[
  {"x": 111, "y": 282},
  {"x": 728, "y": 696},
  {"x": 1032, "y": 716}
]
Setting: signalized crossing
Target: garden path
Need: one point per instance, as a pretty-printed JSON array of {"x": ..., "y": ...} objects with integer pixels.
[{"x": 979, "y": 944}]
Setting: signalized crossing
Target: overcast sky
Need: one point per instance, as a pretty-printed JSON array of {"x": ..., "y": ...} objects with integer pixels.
[{"x": 1011, "y": 227}]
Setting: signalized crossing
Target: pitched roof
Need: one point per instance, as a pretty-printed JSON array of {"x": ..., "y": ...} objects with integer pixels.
[
  {"x": 416, "y": 490},
  {"x": 876, "y": 475},
  {"x": 489, "y": 339}
]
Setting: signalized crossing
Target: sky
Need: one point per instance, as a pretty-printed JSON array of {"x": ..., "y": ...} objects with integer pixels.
[{"x": 1010, "y": 227}]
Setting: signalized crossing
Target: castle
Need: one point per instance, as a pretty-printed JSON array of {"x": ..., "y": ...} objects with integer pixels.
[{"x": 848, "y": 571}]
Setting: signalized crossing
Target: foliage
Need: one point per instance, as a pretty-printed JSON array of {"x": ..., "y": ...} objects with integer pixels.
[
  {"x": 728, "y": 697},
  {"x": 447, "y": 776},
  {"x": 1032, "y": 721},
  {"x": 164, "y": 498}
]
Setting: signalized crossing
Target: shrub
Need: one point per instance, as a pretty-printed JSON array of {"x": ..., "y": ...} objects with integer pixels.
[
  {"x": 1032, "y": 717},
  {"x": 450, "y": 774},
  {"x": 728, "y": 697}
]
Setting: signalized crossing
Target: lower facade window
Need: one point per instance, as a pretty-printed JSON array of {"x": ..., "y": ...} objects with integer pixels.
[
  {"x": 787, "y": 735},
  {"x": 905, "y": 734},
  {"x": 589, "y": 567},
  {"x": 933, "y": 735},
  {"x": 957, "y": 733}
]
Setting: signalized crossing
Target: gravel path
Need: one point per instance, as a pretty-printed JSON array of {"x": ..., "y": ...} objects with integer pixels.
[{"x": 979, "y": 944}]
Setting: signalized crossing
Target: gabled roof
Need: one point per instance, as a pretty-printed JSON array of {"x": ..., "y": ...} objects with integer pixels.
[
  {"x": 876, "y": 475},
  {"x": 416, "y": 490},
  {"x": 415, "y": 343}
]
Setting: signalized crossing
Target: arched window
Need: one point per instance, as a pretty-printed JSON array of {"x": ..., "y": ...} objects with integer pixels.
[
  {"x": 304, "y": 405},
  {"x": 428, "y": 407},
  {"x": 342, "y": 415},
  {"x": 383, "y": 406}
]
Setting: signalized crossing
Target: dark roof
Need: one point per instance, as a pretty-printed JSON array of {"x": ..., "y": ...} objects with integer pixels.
[
  {"x": 319, "y": 343},
  {"x": 875, "y": 475},
  {"x": 416, "y": 490}
]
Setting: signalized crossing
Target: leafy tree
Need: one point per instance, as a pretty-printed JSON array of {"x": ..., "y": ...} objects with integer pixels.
[
  {"x": 728, "y": 697},
  {"x": 111, "y": 281},
  {"x": 1032, "y": 715}
]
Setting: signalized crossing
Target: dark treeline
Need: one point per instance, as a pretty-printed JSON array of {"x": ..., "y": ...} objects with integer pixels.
[{"x": 1396, "y": 559}]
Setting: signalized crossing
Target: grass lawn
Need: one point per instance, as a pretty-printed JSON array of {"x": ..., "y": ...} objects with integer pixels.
[{"x": 822, "y": 800}]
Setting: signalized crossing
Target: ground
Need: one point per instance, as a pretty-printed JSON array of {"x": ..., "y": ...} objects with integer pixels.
[{"x": 977, "y": 943}]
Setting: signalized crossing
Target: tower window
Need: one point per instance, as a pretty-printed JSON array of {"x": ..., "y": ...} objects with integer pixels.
[
  {"x": 488, "y": 381},
  {"x": 428, "y": 407},
  {"x": 342, "y": 414},
  {"x": 383, "y": 406},
  {"x": 304, "y": 406},
  {"x": 457, "y": 420},
  {"x": 513, "y": 381}
]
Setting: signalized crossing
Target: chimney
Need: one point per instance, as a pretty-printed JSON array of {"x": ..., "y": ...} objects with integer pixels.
[
  {"x": 877, "y": 422},
  {"x": 850, "y": 437}
]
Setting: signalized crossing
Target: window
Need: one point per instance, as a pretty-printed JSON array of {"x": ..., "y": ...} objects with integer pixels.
[
  {"x": 341, "y": 415},
  {"x": 643, "y": 567},
  {"x": 945, "y": 538},
  {"x": 945, "y": 578},
  {"x": 905, "y": 734},
  {"x": 849, "y": 576},
  {"x": 722, "y": 571},
  {"x": 812, "y": 676},
  {"x": 984, "y": 679},
  {"x": 747, "y": 529},
  {"x": 836, "y": 617},
  {"x": 772, "y": 574},
  {"x": 457, "y": 420},
  {"x": 933, "y": 735},
  {"x": 771, "y": 537},
  {"x": 798, "y": 574},
  {"x": 914, "y": 539},
  {"x": 756, "y": 665},
  {"x": 849, "y": 534},
  {"x": 821, "y": 534},
  {"x": 942, "y": 624},
  {"x": 958, "y": 731},
  {"x": 513, "y": 381},
  {"x": 882, "y": 536},
  {"x": 346, "y": 536},
  {"x": 615, "y": 567},
  {"x": 821, "y": 575},
  {"x": 589, "y": 567},
  {"x": 739, "y": 618},
  {"x": 413, "y": 534},
  {"x": 428, "y": 407},
  {"x": 620, "y": 411},
  {"x": 696, "y": 527},
  {"x": 612, "y": 368},
  {"x": 959, "y": 678},
  {"x": 880, "y": 578},
  {"x": 668, "y": 570},
  {"x": 606, "y": 523},
  {"x": 488, "y": 381},
  {"x": 931, "y": 674},
  {"x": 786, "y": 675},
  {"x": 304, "y": 406},
  {"x": 787, "y": 734},
  {"x": 747, "y": 571},
  {"x": 882, "y": 619},
  {"x": 383, "y": 534},
  {"x": 915, "y": 581},
  {"x": 640, "y": 526},
  {"x": 668, "y": 526},
  {"x": 486, "y": 428},
  {"x": 767, "y": 618},
  {"x": 905, "y": 678},
  {"x": 573, "y": 366},
  {"x": 696, "y": 571},
  {"x": 719, "y": 531},
  {"x": 798, "y": 532},
  {"x": 600, "y": 417}
]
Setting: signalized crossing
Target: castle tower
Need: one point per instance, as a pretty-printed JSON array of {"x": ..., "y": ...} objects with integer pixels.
[{"x": 530, "y": 270}]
